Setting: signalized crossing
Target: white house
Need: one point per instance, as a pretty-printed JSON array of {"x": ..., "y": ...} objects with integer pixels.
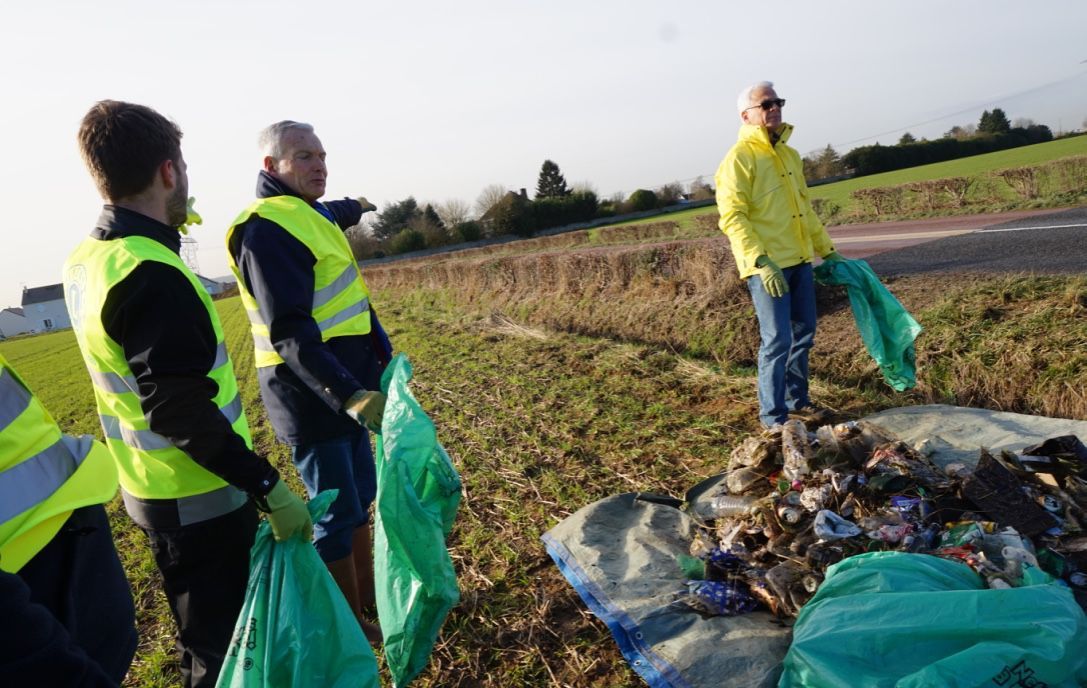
[
  {"x": 13, "y": 322},
  {"x": 44, "y": 308}
]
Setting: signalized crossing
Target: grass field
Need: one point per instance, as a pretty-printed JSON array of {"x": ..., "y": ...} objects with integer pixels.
[
  {"x": 545, "y": 413},
  {"x": 564, "y": 369},
  {"x": 979, "y": 166}
]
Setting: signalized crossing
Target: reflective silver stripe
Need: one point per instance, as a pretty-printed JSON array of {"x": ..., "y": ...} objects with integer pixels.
[
  {"x": 14, "y": 398},
  {"x": 137, "y": 439},
  {"x": 255, "y": 317},
  {"x": 31, "y": 482},
  {"x": 220, "y": 356},
  {"x": 262, "y": 342},
  {"x": 112, "y": 382},
  {"x": 147, "y": 439},
  {"x": 345, "y": 314},
  {"x": 326, "y": 293},
  {"x": 183, "y": 511},
  {"x": 233, "y": 410}
]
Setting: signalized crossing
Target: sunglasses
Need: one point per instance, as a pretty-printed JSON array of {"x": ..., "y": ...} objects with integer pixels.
[{"x": 768, "y": 104}]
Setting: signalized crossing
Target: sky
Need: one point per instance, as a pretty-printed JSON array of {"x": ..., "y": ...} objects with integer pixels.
[{"x": 437, "y": 100}]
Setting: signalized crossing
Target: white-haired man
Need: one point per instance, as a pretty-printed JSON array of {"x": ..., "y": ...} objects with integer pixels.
[
  {"x": 774, "y": 234},
  {"x": 319, "y": 351}
]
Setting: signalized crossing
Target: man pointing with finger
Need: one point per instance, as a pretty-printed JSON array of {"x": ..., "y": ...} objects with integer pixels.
[
  {"x": 318, "y": 349},
  {"x": 774, "y": 234}
]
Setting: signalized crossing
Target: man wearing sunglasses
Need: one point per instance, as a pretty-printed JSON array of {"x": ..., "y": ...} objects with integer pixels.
[{"x": 774, "y": 234}]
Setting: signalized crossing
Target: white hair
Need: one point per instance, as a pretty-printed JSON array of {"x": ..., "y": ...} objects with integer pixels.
[
  {"x": 271, "y": 137},
  {"x": 743, "y": 101}
]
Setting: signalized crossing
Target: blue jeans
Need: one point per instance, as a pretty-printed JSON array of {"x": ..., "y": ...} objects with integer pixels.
[
  {"x": 345, "y": 463},
  {"x": 787, "y": 332}
]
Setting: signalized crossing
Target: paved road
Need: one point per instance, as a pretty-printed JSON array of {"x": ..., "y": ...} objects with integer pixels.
[{"x": 1045, "y": 242}]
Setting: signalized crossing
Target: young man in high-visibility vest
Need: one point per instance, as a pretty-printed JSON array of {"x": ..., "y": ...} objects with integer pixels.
[
  {"x": 70, "y": 620},
  {"x": 165, "y": 387},
  {"x": 319, "y": 348}
]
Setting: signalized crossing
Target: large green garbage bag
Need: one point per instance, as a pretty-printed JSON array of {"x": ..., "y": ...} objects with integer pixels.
[
  {"x": 296, "y": 628},
  {"x": 418, "y": 492},
  {"x": 916, "y": 620},
  {"x": 886, "y": 328}
]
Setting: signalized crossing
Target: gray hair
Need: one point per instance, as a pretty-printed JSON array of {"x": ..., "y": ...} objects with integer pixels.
[
  {"x": 271, "y": 137},
  {"x": 743, "y": 101}
]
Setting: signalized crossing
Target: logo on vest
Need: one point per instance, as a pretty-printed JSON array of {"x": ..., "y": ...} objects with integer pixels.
[{"x": 73, "y": 295}]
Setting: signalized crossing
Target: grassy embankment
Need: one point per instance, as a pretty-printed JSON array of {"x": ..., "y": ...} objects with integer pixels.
[{"x": 611, "y": 364}]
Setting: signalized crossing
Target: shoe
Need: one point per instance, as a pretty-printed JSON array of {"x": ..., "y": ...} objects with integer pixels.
[
  {"x": 772, "y": 430},
  {"x": 811, "y": 413}
]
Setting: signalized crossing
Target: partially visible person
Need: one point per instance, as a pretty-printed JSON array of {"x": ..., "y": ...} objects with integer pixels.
[
  {"x": 67, "y": 613},
  {"x": 319, "y": 349},
  {"x": 165, "y": 387},
  {"x": 774, "y": 234}
]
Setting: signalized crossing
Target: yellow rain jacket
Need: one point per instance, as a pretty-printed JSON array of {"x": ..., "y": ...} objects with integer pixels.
[{"x": 764, "y": 204}]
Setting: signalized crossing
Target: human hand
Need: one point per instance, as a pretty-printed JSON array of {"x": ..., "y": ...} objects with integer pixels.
[
  {"x": 366, "y": 408},
  {"x": 288, "y": 514},
  {"x": 773, "y": 280},
  {"x": 191, "y": 217},
  {"x": 367, "y": 206}
]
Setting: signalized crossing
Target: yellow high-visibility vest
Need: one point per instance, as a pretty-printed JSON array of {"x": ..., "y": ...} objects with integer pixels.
[
  {"x": 150, "y": 467},
  {"x": 44, "y": 474},
  {"x": 341, "y": 300}
]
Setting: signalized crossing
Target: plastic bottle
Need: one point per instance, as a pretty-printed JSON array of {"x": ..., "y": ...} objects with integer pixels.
[{"x": 727, "y": 505}]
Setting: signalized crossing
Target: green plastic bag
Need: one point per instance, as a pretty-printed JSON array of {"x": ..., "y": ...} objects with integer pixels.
[
  {"x": 916, "y": 620},
  {"x": 295, "y": 628},
  {"x": 887, "y": 329},
  {"x": 418, "y": 492}
]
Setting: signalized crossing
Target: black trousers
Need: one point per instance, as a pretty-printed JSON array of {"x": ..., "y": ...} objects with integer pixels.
[
  {"x": 78, "y": 577},
  {"x": 205, "y": 570}
]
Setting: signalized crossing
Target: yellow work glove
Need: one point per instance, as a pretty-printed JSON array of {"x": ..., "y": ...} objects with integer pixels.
[
  {"x": 366, "y": 408},
  {"x": 191, "y": 217},
  {"x": 287, "y": 513},
  {"x": 367, "y": 206},
  {"x": 834, "y": 255},
  {"x": 772, "y": 278}
]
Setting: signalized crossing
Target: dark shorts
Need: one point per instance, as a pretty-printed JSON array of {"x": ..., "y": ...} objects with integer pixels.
[{"x": 344, "y": 463}]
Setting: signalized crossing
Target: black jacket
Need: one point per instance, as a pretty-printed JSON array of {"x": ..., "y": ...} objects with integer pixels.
[
  {"x": 305, "y": 394},
  {"x": 169, "y": 343}
]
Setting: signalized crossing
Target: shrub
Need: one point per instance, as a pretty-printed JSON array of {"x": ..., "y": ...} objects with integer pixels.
[
  {"x": 642, "y": 199},
  {"x": 469, "y": 230},
  {"x": 407, "y": 240}
]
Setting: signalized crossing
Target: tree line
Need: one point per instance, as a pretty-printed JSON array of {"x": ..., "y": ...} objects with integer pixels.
[
  {"x": 992, "y": 133},
  {"x": 406, "y": 225}
]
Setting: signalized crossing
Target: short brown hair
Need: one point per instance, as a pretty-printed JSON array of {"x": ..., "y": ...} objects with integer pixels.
[{"x": 123, "y": 144}]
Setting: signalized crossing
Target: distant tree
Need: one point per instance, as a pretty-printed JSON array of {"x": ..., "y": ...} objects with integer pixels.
[
  {"x": 698, "y": 190},
  {"x": 453, "y": 212},
  {"x": 906, "y": 139},
  {"x": 670, "y": 194},
  {"x": 825, "y": 163},
  {"x": 406, "y": 240},
  {"x": 1022, "y": 123},
  {"x": 960, "y": 132},
  {"x": 395, "y": 218},
  {"x": 512, "y": 215},
  {"x": 491, "y": 194},
  {"x": 469, "y": 230},
  {"x": 432, "y": 218},
  {"x": 551, "y": 183},
  {"x": 641, "y": 199},
  {"x": 995, "y": 122}
]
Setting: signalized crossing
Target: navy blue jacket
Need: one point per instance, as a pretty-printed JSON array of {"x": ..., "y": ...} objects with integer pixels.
[
  {"x": 305, "y": 394},
  {"x": 169, "y": 343}
]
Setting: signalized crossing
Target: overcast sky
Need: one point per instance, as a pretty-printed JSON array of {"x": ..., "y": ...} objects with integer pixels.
[{"x": 439, "y": 99}]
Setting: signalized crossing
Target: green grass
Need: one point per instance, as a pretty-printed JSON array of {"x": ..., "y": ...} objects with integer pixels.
[
  {"x": 541, "y": 423},
  {"x": 975, "y": 166}
]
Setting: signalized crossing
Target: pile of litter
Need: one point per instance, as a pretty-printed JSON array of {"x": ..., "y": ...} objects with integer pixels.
[{"x": 796, "y": 502}]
